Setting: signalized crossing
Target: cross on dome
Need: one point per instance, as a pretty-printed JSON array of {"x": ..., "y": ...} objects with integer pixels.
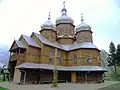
[
  {"x": 49, "y": 16},
  {"x": 64, "y": 18},
  {"x": 48, "y": 24},
  {"x": 82, "y": 19},
  {"x": 64, "y": 4},
  {"x": 64, "y": 11}
]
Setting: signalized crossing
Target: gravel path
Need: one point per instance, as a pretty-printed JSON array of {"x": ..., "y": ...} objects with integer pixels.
[{"x": 62, "y": 86}]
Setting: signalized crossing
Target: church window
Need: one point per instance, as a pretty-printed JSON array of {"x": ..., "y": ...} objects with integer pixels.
[
  {"x": 89, "y": 59},
  {"x": 60, "y": 58},
  {"x": 51, "y": 56},
  {"x": 74, "y": 58}
]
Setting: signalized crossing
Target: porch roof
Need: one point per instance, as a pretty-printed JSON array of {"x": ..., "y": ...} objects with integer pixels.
[{"x": 61, "y": 68}]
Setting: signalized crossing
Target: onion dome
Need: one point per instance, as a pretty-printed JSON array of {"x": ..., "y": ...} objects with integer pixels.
[
  {"x": 64, "y": 18},
  {"x": 48, "y": 24},
  {"x": 82, "y": 26}
]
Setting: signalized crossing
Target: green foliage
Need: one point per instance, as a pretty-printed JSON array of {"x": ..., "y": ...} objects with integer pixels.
[
  {"x": 115, "y": 77},
  {"x": 112, "y": 56},
  {"x": 112, "y": 48},
  {"x": 111, "y": 87},
  {"x": 118, "y": 55},
  {"x": 5, "y": 74},
  {"x": 1, "y": 88},
  {"x": 55, "y": 78},
  {"x": 111, "y": 75}
]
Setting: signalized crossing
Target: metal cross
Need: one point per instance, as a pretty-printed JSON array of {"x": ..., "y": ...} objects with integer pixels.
[{"x": 64, "y": 4}]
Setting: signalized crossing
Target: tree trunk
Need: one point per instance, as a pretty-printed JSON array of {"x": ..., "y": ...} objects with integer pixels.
[{"x": 115, "y": 69}]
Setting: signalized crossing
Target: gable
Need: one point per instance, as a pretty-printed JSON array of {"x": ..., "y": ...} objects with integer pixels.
[
  {"x": 29, "y": 41},
  {"x": 23, "y": 41},
  {"x": 37, "y": 40},
  {"x": 16, "y": 44}
]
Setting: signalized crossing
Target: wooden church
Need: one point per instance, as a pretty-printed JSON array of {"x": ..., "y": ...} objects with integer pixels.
[{"x": 69, "y": 47}]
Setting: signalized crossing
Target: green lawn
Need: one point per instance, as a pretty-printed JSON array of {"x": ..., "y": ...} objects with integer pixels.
[
  {"x": 112, "y": 87},
  {"x": 1, "y": 88}
]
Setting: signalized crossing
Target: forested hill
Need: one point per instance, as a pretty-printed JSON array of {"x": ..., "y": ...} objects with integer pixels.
[{"x": 4, "y": 54}]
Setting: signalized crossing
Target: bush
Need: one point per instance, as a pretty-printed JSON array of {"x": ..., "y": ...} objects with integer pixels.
[{"x": 115, "y": 77}]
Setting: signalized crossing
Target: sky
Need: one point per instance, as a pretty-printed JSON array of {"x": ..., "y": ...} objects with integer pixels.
[{"x": 26, "y": 16}]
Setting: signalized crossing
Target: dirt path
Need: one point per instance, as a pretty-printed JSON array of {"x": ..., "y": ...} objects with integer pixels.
[{"x": 62, "y": 86}]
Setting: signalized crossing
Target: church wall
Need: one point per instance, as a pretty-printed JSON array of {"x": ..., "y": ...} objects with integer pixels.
[
  {"x": 65, "y": 28},
  {"x": 65, "y": 41},
  {"x": 40, "y": 44},
  {"x": 33, "y": 55},
  {"x": 84, "y": 36},
  {"x": 64, "y": 57},
  {"x": 82, "y": 57},
  {"x": 45, "y": 55},
  {"x": 49, "y": 34},
  {"x": 22, "y": 56}
]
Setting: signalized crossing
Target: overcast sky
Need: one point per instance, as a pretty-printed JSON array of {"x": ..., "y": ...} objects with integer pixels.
[{"x": 26, "y": 16}]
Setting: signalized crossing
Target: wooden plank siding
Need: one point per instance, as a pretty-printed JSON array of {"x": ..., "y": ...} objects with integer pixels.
[
  {"x": 33, "y": 55},
  {"x": 45, "y": 55},
  {"x": 82, "y": 57}
]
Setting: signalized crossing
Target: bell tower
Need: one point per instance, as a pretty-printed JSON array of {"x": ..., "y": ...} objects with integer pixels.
[
  {"x": 48, "y": 30},
  {"x": 65, "y": 28},
  {"x": 83, "y": 32}
]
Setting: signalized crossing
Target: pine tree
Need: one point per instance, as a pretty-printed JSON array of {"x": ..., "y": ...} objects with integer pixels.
[
  {"x": 118, "y": 55},
  {"x": 112, "y": 56}
]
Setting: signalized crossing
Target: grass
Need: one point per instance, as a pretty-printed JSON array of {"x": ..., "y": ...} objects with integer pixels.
[
  {"x": 111, "y": 87},
  {"x": 3, "y": 81},
  {"x": 1, "y": 88}
]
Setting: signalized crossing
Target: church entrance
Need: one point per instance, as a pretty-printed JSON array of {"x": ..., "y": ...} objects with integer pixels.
[{"x": 64, "y": 76}]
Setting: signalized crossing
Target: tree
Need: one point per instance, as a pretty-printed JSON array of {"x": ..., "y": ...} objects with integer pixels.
[
  {"x": 55, "y": 71},
  {"x": 118, "y": 55},
  {"x": 104, "y": 56},
  {"x": 55, "y": 80},
  {"x": 112, "y": 56}
]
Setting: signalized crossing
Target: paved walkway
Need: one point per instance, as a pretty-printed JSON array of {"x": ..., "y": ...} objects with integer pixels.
[{"x": 62, "y": 86}]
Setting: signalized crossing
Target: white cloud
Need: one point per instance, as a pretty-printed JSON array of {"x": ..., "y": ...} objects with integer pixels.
[{"x": 25, "y": 16}]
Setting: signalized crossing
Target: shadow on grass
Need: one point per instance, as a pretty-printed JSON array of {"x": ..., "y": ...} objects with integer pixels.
[
  {"x": 111, "y": 87},
  {"x": 1, "y": 88}
]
